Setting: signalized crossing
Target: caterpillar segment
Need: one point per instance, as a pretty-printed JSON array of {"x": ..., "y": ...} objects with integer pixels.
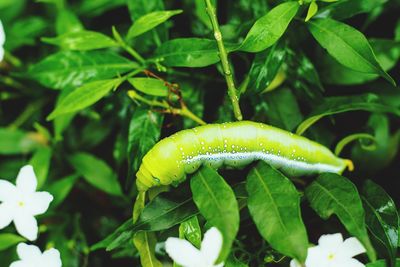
[{"x": 234, "y": 144}]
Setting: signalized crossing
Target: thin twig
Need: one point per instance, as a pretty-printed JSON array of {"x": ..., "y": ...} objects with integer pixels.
[{"x": 224, "y": 61}]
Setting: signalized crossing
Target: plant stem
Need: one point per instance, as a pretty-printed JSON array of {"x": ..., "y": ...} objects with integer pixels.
[
  {"x": 184, "y": 111},
  {"x": 224, "y": 61},
  {"x": 126, "y": 47}
]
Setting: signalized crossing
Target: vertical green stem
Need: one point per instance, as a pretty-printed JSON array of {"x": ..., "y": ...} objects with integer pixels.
[{"x": 224, "y": 61}]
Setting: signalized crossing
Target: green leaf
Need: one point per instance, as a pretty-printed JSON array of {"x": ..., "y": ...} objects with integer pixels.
[
  {"x": 353, "y": 137},
  {"x": 191, "y": 231},
  {"x": 387, "y": 53},
  {"x": 274, "y": 205},
  {"x": 150, "y": 21},
  {"x": 8, "y": 240},
  {"x": 14, "y": 141},
  {"x": 382, "y": 218},
  {"x": 67, "y": 21},
  {"x": 335, "y": 105},
  {"x": 145, "y": 243},
  {"x": 312, "y": 9},
  {"x": 69, "y": 69},
  {"x": 96, "y": 172},
  {"x": 188, "y": 52},
  {"x": 269, "y": 28},
  {"x": 344, "y": 9},
  {"x": 84, "y": 96},
  {"x": 61, "y": 188},
  {"x": 217, "y": 203},
  {"x": 144, "y": 132},
  {"x": 81, "y": 40},
  {"x": 382, "y": 263},
  {"x": 347, "y": 45},
  {"x": 331, "y": 194},
  {"x": 41, "y": 164},
  {"x": 162, "y": 213},
  {"x": 265, "y": 67},
  {"x": 150, "y": 86}
]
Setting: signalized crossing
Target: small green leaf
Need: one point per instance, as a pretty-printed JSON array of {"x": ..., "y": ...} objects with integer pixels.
[
  {"x": 353, "y": 137},
  {"x": 382, "y": 218},
  {"x": 191, "y": 231},
  {"x": 81, "y": 40},
  {"x": 61, "y": 188},
  {"x": 145, "y": 242},
  {"x": 70, "y": 69},
  {"x": 14, "y": 141},
  {"x": 312, "y": 9},
  {"x": 188, "y": 52},
  {"x": 84, "y": 96},
  {"x": 217, "y": 203},
  {"x": 8, "y": 240},
  {"x": 41, "y": 164},
  {"x": 347, "y": 45},
  {"x": 96, "y": 172},
  {"x": 150, "y": 86},
  {"x": 335, "y": 105},
  {"x": 265, "y": 67},
  {"x": 150, "y": 21},
  {"x": 67, "y": 21},
  {"x": 274, "y": 205},
  {"x": 269, "y": 28},
  {"x": 331, "y": 194}
]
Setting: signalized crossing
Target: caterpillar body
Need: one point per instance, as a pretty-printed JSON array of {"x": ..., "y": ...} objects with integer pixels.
[{"x": 234, "y": 144}]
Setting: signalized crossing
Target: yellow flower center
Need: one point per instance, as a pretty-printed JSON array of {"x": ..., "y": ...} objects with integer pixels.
[
  {"x": 21, "y": 203},
  {"x": 331, "y": 256}
]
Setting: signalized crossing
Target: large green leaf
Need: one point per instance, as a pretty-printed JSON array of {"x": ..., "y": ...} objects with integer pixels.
[
  {"x": 149, "y": 86},
  {"x": 144, "y": 131},
  {"x": 150, "y": 21},
  {"x": 217, "y": 203},
  {"x": 332, "y": 194},
  {"x": 8, "y": 240},
  {"x": 344, "y": 9},
  {"x": 81, "y": 40},
  {"x": 69, "y": 69},
  {"x": 188, "y": 52},
  {"x": 15, "y": 141},
  {"x": 162, "y": 213},
  {"x": 387, "y": 53},
  {"x": 41, "y": 164},
  {"x": 382, "y": 218},
  {"x": 382, "y": 263},
  {"x": 269, "y": 28},
  {"x": 96, "y": 172},
  {"x": 274, "y": 205},
  {"x": 335, "y": 105},
  {"x": 84, "y": 96},
  {"x": 145, "y": 243},
  {"x": 347, "y": 45}
]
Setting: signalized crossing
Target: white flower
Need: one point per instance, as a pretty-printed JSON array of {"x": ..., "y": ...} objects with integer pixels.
[
  {"x": 31, "y": 256},
  {"x": 2, "y": 41},
  {"x": 185, "y": 254},
  {"x": 332, "y": 251},
  {"x": 21, "y": 203}
]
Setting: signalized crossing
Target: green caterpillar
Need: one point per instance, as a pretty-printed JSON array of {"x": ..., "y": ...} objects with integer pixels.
[{"x": 234, "y": 144}]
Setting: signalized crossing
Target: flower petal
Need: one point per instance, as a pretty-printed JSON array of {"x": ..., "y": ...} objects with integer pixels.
[
  {"x": 6, "y": 215},
  {"x": 26, "y": 226},
  {"x": 29, "y": 253},
  {"x": 26, "y": 179},
  {"x": 317, "y": 257},
  {"x": 351, "y": 247},
  {"x": 2, "y": 35},
  {"x": 350, "y": 263},
  {"x": 211, "y": 245},
  {"x": 51, "y": 258},
  {"x": 39, "y": 202},
  {"x": 294, "y": 263},
  {"x": 20, "y": 264},
  {"x": 331, "y": 242},
  {"x": 7, "y": 189},
  {"x": 183, "y": 252}
]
